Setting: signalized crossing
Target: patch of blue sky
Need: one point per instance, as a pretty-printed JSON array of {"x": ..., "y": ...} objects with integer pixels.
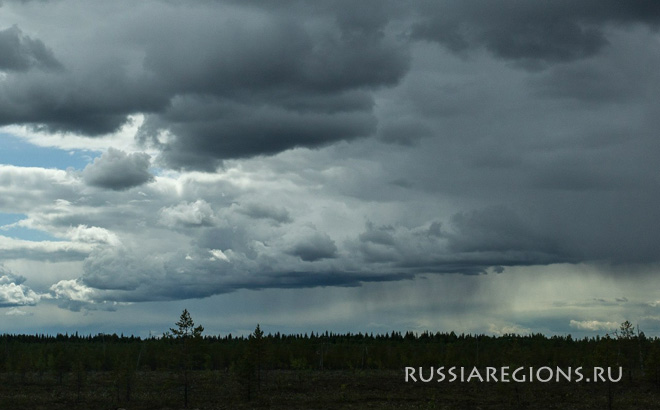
[
  {"x": 8, "y": 219},
  {"x": 158, "y": 171},
  {"x": 20, "y": 232},
  {"x": 16, "y": 151}
]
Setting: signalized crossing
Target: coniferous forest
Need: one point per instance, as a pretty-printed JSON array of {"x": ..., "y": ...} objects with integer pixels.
[{"x": 187, "y": 369}]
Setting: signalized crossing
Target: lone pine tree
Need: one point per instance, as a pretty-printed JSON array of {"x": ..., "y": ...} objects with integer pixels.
[
  {"x": 186, "y": 327},
  {"x": 187, "y": 334}
]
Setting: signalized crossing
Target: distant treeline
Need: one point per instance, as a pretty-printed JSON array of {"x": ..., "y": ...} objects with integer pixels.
[
  {"x": 186, "y": 366},
  {"x": 638, "y": 354}
]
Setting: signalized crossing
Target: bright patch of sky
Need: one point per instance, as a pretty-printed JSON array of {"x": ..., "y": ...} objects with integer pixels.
[
  {"x": 8, "y": 228},
  {"x": 27, "y": 234},
  {"x": 8, "y": 219},
  {"x": 16, "y": 151}
]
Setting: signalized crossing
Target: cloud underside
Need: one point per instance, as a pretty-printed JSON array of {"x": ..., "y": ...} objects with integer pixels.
[
  {"x": 196, "y": 235},
  {"x": 220, "y": 260}
]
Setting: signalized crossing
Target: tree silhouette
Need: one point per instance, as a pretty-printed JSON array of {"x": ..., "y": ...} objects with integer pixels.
[
  {"x": 256, "y": 341},
  {"x": 186, "y": 327},
  {"x": 626, "y": 330},
  {"x": 186, "y": 332},
  {"x": 627, "y": 344}
]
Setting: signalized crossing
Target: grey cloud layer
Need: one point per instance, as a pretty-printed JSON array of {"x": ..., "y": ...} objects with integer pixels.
[
  {"x": 201, "y": 234},
  {"x": 531, "y": 34},
  {"x": 507, "y": 134},
  {"x": 19, "y": 52},
  {"x": 231, "y": 80}
]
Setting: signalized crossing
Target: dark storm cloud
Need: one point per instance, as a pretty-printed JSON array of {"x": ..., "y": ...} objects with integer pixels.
[
  {"x": 264, "y": 88},
  {"x": 288, "y": 280},
  {"x": 476, "y": 165},
  {"x": 530, "y": 33},
  {"x": 210, "y": 131},
  {"x": 240, "y": 79},
  {"x": 19, "y": 52},
  {"x": 316, "y": 247},
  {"x": 95, "y": 101},
  {"x": 473, "y": 243},
  {"x": 118, "y": 171},
  {"x": 224, "y": 80},
  {"x": 496, "y": 229}
]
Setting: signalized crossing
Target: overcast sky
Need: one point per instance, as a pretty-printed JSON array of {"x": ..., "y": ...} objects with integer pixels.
[{"x": 476, "y": 166}]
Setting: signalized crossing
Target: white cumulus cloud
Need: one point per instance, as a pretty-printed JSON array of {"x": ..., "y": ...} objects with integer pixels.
[
  {"x": 187, "y": 214},
  {"x": 92, "y": 234},
  {"x": 72, "y": 289},
  {"x": 13, "y": 292},
  {"x": 593, "y": 325}
]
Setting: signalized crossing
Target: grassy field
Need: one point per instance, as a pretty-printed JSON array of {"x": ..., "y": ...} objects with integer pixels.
[{"x": 309, "y": 389}]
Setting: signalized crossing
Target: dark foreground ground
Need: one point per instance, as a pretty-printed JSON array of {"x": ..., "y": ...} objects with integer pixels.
[{"x": 308, "y": 389}]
